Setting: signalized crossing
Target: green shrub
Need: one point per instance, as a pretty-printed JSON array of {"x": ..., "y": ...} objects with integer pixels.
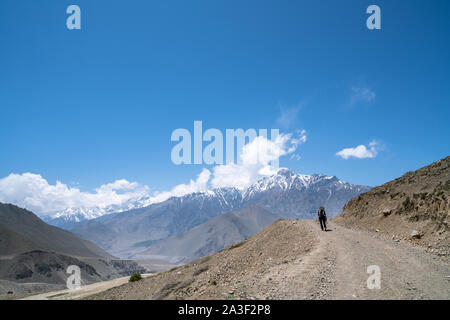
[{"x": 135, "y": 277}]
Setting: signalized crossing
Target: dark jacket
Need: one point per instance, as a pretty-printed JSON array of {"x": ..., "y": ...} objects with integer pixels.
[{"x": 321, "y": 213}]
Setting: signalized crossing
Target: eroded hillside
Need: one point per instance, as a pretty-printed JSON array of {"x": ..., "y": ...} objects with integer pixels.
[{"x": 414, "y": 207}]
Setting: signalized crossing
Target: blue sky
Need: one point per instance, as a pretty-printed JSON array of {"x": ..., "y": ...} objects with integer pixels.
[{"x": 89, "y": 106}]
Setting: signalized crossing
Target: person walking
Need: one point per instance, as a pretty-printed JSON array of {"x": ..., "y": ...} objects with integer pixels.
[{"x": 322, "y": 218}]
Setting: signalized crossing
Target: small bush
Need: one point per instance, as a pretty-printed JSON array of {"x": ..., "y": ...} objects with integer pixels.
[
  {"x": 408, "y": 204},
  {"x": 135, "y": 277},
  {"x": 213, "y": 282}
]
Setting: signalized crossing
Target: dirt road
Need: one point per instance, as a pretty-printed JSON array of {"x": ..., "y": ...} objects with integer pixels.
[
  {"x": 337, "y": 269},
  {"x": 83, "y": 291}
]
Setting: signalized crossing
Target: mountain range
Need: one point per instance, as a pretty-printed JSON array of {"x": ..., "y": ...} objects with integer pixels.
[
  {"x": 284, "y": 194},
  {"x": 70, "y": 217}
]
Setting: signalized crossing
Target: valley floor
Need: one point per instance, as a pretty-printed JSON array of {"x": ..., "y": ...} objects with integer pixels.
[{"x": 82, "y": 292}]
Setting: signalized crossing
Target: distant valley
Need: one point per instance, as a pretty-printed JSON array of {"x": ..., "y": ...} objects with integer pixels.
[{"x": 212, "y": 236}]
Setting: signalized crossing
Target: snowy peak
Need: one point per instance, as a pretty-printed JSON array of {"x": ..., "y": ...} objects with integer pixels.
[
  {"x": 69, "y": 217},
  {"x": 286, "y": 179},
  {"x": 283, "y": 184}
]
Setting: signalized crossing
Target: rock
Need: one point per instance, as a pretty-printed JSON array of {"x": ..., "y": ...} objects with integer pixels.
[
  {"x": 377, "y": 230},
  {"x": 415, "y": 234}
]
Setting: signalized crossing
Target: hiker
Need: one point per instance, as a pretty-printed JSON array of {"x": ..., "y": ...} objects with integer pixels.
[{"x": 322, "y": 218}]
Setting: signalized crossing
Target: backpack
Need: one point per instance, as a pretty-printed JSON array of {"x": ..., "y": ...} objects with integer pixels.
[{"x": 322, "y": 213}]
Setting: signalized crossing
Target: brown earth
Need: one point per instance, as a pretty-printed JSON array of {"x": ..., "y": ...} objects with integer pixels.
[
  {"x": 295, "y": 260},
  {"x": 418, "y": 200}
]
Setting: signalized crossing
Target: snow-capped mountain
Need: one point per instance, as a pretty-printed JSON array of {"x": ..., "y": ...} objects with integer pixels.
[
  {"x": 296, "y": 196},
  {"x": 286, "y": 194},
  {"x": 282, "y": 187},
  {"x": 70, "y": 217}
]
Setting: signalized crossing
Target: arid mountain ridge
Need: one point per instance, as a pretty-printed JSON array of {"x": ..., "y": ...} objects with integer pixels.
[
  {"x": 35, "y": 255},
  {"x": 418, "y": 201}
]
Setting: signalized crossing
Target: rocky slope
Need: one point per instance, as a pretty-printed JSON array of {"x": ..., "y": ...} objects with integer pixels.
[
  {"x": 414, "y": 207},
  {"x": 35, "y": 256},
  {"x": 23, "y": 231}
]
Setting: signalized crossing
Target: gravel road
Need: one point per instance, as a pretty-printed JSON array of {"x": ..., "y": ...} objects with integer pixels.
[{"x": 337, "y": 268}]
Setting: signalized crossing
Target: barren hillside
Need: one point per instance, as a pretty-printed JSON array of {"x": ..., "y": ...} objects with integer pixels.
[
  {"x": 414, "y": 207},
  {"x": 34, "y": 256}
]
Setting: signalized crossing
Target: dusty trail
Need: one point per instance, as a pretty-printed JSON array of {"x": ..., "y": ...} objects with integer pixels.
[
  {"x": 294, "y": 260},
  {"x": 406, "y": 272},
  {"x": 337, "y": 269},
  {"x": 82, "y": 292}
]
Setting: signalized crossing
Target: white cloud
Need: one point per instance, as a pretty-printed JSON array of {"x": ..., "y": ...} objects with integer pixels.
[
  {"x": 258, "y": 159},
  {"x": 198, "y": 185},
  {"x": 33, "y": 192},
  {"x": 360, "y": 151},
  {"x": 361, "y": 94},
  {"x": 288, "y": 116}
]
